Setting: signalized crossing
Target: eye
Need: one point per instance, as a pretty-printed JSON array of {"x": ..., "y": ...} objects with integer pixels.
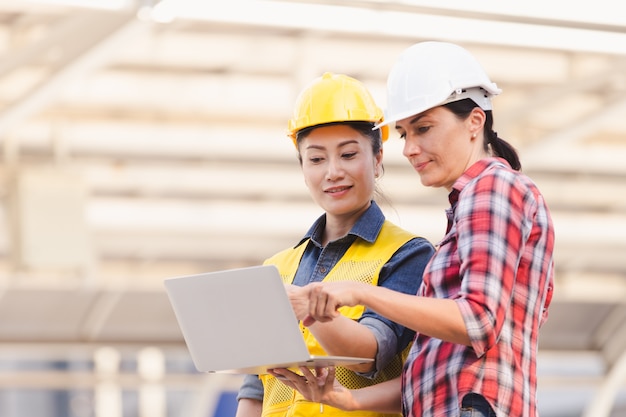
[
  {"x": 401, "y": 133},
  {"x": 420, "y": 130},
  {"x": 348, "y": 155},
  {"x": 316, "y": 159}
]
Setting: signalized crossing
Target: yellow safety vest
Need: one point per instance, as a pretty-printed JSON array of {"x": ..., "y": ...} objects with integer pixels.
[{"x": 362, "y": 262}]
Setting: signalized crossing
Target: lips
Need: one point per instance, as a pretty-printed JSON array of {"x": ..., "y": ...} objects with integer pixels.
[
  {"x": 420, "y": 165},
  {"x": 337, "y": 189}
]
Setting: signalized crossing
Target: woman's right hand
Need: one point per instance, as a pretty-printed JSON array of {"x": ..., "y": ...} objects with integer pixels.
[
  {"x": 299, "y": 299},
  {"x": 319, "y": 301},
  {"x": 320, "y": 387},
  {"x": 326, "y": 298}
]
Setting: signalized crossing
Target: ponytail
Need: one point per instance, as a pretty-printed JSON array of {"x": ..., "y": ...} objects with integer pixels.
[{"x": 499, "y": 147}]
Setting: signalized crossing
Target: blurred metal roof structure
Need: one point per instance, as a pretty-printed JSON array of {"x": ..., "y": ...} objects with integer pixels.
[{"x": 147, "y": 140}]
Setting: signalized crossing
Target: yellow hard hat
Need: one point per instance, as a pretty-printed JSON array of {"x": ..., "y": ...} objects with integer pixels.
[{"x": 335, "y": 98}]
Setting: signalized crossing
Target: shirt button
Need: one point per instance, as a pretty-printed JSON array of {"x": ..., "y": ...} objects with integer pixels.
[{"x": 323, "y": 270}]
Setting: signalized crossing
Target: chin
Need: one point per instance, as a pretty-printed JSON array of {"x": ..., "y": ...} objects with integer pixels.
[
  {"x": 431, "y": 184},
  {"x": 425, "y": 181}
]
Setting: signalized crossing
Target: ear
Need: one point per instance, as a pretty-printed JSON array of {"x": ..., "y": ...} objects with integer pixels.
[
  {"x": 476, "y": 120},
  {"x": 378, "y": 162}
]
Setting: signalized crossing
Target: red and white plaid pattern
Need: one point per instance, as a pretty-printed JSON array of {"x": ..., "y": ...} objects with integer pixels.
[{"x": 496, "y": 262}]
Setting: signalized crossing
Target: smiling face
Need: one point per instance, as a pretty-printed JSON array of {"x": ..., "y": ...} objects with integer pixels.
[
  {"x": 339, "y": 169},
  {"x": 440, "y": 146}
]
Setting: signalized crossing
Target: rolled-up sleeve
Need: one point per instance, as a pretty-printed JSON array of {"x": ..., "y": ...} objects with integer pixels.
[
  {"x": 251, "y": 388},
  {"x": 403, "y": 273},
  {"x": 491, "y": 229}
]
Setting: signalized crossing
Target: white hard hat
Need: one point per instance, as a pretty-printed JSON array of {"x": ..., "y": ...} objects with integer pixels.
[{"x": 429, "y": 74}]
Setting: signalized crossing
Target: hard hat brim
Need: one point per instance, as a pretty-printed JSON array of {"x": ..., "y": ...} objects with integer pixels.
[{"x": 480, "y": 95}]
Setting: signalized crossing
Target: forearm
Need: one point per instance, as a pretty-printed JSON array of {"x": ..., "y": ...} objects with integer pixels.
[
  {"x": 346, "y": 337},
  {"x": 247, "y": 407},
  {"x": 439, "y": 318},
  {"x": 383, "y": 398}
]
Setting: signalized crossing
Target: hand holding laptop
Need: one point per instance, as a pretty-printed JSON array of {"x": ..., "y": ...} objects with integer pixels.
[{"x": 318, "y": 386}]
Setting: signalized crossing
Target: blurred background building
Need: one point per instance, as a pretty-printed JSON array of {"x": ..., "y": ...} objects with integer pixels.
[{"x": 142, "y": 140}]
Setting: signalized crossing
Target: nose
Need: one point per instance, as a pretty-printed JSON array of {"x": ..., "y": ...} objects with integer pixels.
[
  {"x": 410, "y": 147},
  {"x": 335, "y": 169}
]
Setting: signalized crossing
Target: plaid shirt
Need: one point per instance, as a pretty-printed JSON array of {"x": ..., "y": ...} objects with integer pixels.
[{"x": 496, "y": 263}]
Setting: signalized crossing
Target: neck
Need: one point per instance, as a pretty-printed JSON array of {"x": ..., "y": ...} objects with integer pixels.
[{"x": 337, "y": 226}]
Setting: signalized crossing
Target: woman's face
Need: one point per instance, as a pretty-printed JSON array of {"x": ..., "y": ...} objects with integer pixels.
[
  {"x": 339, "y": 169},
  {"x": 440, "y": 146}
]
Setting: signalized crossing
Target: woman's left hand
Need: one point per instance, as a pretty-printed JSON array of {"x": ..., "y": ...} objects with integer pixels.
[{"x": 319, "y": 387}]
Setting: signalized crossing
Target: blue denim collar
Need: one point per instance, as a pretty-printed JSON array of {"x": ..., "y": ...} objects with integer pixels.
[{"x": 367, "y": 226}]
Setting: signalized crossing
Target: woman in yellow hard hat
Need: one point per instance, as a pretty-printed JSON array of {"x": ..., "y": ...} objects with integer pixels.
[
  {"x": 341, "y": 154},
  {"x": 487, "y": 290}
]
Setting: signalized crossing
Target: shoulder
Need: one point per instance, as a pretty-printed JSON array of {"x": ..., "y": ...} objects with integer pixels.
[
  {"x": 417, "y": 246},
  {"x": 393, "y": 229},
  {"x": 413, "y": 246},
  {"x": 497, "y": 179},
  {"x": 500, "y": 192}
]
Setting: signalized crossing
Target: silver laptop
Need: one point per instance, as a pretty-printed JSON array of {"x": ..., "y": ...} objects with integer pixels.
[{"x": 241, "y": 321}]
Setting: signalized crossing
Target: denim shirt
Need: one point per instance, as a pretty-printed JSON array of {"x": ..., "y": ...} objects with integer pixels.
[{"x": 403, "y": 272}]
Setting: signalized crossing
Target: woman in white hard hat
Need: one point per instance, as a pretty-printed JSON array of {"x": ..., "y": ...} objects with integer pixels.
[
  {"x": 340, "y": 154},
  {"x": 487, "y": 289}
]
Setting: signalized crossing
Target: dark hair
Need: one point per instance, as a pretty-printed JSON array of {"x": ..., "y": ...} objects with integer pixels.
[
  {"x": 499, "y": 146},
  {"x": 364, "y": 128}
]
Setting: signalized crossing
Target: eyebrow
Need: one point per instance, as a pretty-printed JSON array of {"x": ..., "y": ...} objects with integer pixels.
[
  {"x": 413, "y": 120},
  {"x": 416, "y": 118}
]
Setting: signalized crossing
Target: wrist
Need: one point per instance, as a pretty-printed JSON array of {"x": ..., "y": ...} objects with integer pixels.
[
  {"x": 361, "y": 293},
  {"x": 352, "y": 403},
  {"x": 344, "y": 401}
]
